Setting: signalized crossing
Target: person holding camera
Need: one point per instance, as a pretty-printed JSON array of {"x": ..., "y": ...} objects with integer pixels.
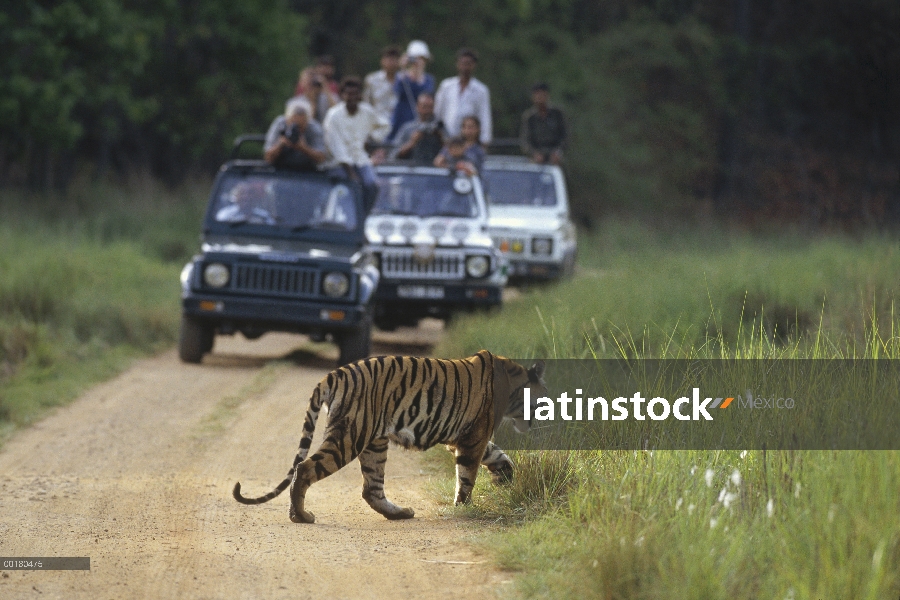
[
  {"x": 422, "y": 139},
  {"x": 295, "y": 140},
  {"x": 410, "y": 83}
]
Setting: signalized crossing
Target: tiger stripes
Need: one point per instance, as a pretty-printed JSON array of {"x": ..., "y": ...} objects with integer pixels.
[{"x": 416, "y": 403}]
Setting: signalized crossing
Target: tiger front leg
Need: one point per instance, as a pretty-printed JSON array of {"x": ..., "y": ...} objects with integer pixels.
[
  {"x": 468, "y": 461},
  {"x": 371, "y": 461},
  {"x": 498, "y": 463}
]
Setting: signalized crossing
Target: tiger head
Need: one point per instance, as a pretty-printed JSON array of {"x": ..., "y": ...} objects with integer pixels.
[{"x": 510, "y": 381}]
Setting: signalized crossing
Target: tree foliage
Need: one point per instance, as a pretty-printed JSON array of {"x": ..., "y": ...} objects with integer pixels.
[{"x": 132, "y": 83}]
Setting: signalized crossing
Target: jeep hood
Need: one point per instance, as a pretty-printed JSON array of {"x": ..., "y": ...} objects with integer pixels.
[
  {"x": 297, "y": 248},
  {"x": 544, "y": 219}
]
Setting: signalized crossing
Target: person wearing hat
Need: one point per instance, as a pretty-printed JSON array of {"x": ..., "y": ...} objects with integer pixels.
[
  {"x": 543, "y": 132},
  {"x": 412, "y": 82},
  {"x": 462, "y": 96},
  {"x": 378, "y": 87},
  {"x": 294, "y": 139}
]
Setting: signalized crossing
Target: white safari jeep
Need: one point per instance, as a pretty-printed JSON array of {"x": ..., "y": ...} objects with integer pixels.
[
  {"x": 428, "y": 234},
  {"x": 529, "y": 217}
]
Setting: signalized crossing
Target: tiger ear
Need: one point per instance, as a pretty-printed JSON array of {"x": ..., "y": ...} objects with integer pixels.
[{"x": 536, "y": 372}]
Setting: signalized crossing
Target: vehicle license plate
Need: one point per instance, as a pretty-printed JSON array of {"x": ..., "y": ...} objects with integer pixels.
[{"x": 426, "y": 292}]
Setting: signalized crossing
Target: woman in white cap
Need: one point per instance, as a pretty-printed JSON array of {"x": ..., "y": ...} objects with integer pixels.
[{"x": 412, "y": 82}]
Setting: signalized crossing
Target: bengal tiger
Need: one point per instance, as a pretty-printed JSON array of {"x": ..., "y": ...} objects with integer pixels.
[{"x": 417, "y": 403}]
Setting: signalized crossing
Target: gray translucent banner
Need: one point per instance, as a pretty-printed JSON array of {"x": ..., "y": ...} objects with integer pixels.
[
  {"x": 714, "y": 405},
  {"x": 45, "y": 563}
]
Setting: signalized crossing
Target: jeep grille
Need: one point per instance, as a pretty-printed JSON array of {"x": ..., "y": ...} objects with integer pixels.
[
  {"x": 405, "y": 265},
  {"x": 276, "y": 280}
]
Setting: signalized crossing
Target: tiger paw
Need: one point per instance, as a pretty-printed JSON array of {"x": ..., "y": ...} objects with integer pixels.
[
  {"x": 502, "y": 476},
  {"x": 303, "y": 517},
  {"x": 403, "y": 513}
]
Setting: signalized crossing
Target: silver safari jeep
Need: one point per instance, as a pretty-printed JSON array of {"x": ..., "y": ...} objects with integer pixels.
[
  {"x": 428, "y": 234},
  {"x": 529, "y": 217}
]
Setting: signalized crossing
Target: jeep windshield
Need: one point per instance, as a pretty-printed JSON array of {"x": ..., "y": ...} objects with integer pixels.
[
  {"x": 289, "y": 202},
  {"x": 509, "y": 187},
  {"x": 425, "y": 195}
]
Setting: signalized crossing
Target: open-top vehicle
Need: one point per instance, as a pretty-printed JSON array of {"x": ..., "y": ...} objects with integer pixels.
[
  {"x": 428, "y": 233},
  {"x": 529, "y": 220},
  {"x": 281, "y": 251}
]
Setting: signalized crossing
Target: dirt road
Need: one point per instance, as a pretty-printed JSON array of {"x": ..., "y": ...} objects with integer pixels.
[{"x": 137, "y": 475}]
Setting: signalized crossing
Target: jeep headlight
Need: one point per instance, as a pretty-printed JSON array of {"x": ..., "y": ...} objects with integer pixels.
[
  {"x": 477, "y": 266},
  {"x": 216, "y": 275},
  {"x": 408, "y": 229},
  {"x": 542, "y": 246},
  {"x": 385, "y": 229},
  {"x": 459, "y": 231},
  {"x": 335, "y": 284}
]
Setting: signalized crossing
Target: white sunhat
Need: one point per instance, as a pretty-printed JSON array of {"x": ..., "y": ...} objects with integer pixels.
[
  {"x": 297, "y": 105},
  {"x": 417, "y": 48}
]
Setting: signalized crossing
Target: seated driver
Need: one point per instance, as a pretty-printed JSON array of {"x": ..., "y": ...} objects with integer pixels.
[{"x": 245, "y": 200}]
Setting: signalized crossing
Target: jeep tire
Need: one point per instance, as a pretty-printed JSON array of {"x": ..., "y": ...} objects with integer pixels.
[
  {"x": 194, "y": 340},
  {"x": 356, "y": 343}
]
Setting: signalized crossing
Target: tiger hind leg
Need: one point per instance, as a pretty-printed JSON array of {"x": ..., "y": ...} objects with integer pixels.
[
  {"x": 371, "y": 461},
  {"x": 334, "y": 453},
  {"x": 498, "y": 463}
]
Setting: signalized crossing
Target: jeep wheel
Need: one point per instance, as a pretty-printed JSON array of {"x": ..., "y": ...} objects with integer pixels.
[
  {"x": 356, "y": 343},
  {"x": 195, "y": 339}
]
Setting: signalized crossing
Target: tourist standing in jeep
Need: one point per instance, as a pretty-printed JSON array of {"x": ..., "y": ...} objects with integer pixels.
[
  {"x": 543, "y": 133},
  {"x": 295, "y": 140},
  {"x": 422, "y": 139},
  {"x": 347, "y": 127},
  {"x": 463, "y": 95}
]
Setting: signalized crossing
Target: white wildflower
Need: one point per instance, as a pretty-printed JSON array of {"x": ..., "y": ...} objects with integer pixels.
[
  {"x": 736, "y": 477},
  {"x": 693, "y": 469},
  {"x": 797, "y": 488},
  {"x": 713, "y": 522},
  {"x": 723, "y": 493},
  {"x": 691, "y": 508},
  {"x": 876, "y": 558},
  {"x": 639, "y": 542},
  {"x": 728, "y": 499},
  {"x": 595, "y": 563},
  {"x": 709, "y": 477},
  {"x": 678, "y": 504},
  {"x": 743, "y": 454},
  {"x": 770, "y": 508}
]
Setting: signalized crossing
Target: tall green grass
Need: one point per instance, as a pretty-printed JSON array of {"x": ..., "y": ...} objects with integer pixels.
[
  {"x": 699, "y": 291},
  {"x": 700, "y": 524},
  {"x": 87, "y": 281}
]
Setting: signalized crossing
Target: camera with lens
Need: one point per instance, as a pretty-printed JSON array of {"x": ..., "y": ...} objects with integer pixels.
[
  {"x": 431, "y": 127},
  {"x": 292, "y": 133}
]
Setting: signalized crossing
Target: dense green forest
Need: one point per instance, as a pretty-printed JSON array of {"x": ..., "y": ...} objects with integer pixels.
[{"x": 758, "y": 107}]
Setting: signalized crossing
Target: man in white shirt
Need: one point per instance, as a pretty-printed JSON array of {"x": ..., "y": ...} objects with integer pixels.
[
  {"x": 379, "y": 86},
  {"x": 347, "y": 126},
  {"x": 462, "y": 96}
]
